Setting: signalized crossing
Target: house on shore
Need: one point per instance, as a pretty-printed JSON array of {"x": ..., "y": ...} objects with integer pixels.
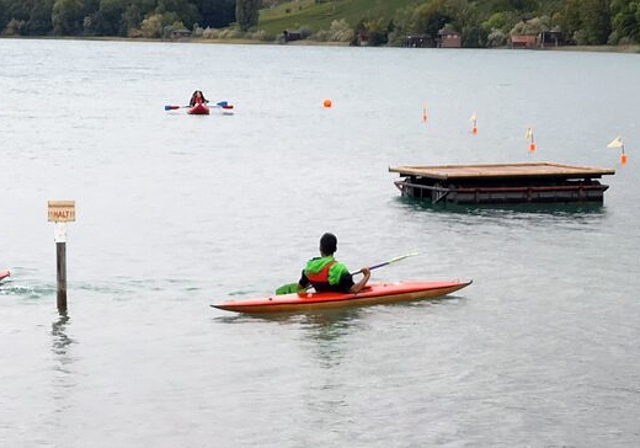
[
  {"x": 544, "y": 39},
  {"x": 448, "y": 38},
  {"x": 523, "y": 41},
  {"x": 180, "y": 33},
  {"x": 550, "y": 39},
  {"x": 291, "y": 36}
]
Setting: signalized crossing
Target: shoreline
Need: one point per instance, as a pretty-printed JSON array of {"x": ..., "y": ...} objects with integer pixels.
[{"x": 626, "y": 49}]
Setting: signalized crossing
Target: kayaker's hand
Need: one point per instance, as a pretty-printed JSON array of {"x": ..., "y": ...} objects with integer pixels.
[{"x": 366, "y": 271}]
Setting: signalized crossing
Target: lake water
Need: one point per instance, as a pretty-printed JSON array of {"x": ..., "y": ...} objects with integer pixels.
[{"x": 175, "y": 212}]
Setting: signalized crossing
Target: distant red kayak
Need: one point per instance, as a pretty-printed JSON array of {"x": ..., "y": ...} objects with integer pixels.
[
  {"x": 4, "y": 274},
  {"x": 373, "y": 294},
  {"x": 199, "y": 109}
]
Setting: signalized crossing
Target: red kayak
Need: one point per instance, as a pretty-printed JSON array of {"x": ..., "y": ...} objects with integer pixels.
[
  {"x": 4, "y": 274},
  {"x": 373, "y": 294},
  {"x": 199, "y": 109}
]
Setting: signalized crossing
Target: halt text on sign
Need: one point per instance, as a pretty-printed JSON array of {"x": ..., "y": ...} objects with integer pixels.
[{"x": 62, "y": 211}]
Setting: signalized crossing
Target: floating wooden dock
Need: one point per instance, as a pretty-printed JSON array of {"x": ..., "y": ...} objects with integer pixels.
[{"x": 541, "y": 182}]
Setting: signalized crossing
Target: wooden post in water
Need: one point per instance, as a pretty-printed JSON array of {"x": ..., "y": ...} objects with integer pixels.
[
  {"x": 61, "y": 212},
  {"x": 61, "y": 270}
]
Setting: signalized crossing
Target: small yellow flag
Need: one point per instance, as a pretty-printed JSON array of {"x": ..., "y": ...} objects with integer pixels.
[
  {"x": 616, "y": 143},
  {"x": 529, "y": 133},
  {"x": 473, "y": 118}
]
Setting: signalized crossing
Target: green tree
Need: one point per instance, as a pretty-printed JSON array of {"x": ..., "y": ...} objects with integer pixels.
[
  {"x": 216, "y": 13},
  {"x": 151, "y": 27},
  {"x": 587, "y": 22},
  {"x": 429, "y": 18},
  {"x": 39, "y": 22},
  {"x": 67, "y": 17},
  {"x": 626, "y": 19},
  {"x": 247, "y": 13},
  {"x": 109, "y": 20}
]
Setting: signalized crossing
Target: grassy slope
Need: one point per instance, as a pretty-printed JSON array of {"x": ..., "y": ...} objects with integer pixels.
[{"x": 319, "y": 16}]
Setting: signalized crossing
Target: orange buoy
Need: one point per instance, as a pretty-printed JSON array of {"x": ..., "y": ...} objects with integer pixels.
[
  {"x": 623, "y": 159},
  {"x": 327, "y": 103},
  {"x": 474, "y": 130},
  {"x": 532, "y": 147},
  {"x": 425, "y": 116}
]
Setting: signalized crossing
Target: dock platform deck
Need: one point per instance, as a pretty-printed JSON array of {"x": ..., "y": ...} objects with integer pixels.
[{"x": 503, "y": 183}]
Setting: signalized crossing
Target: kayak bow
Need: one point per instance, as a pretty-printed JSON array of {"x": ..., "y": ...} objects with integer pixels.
[{"x": 373, "y": 294}]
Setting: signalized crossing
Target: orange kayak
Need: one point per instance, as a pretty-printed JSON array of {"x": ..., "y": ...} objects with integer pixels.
[{"x": 374, "y": 294}]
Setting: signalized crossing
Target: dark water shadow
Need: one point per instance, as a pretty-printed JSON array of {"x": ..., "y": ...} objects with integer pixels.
[
  {"x": 576, "y": 216},
  {"x": 63, "y": 375},
  {"x": 60, "y": 340},
  {"x": 552, "y": 209}
]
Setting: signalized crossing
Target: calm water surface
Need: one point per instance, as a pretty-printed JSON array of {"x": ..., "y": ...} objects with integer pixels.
[{"x": 176, "y": 212}]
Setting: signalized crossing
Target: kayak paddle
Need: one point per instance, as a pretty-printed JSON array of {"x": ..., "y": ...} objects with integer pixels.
[
  {"x": 222, "y": 104},
  {"x": 293, "y": 287}
]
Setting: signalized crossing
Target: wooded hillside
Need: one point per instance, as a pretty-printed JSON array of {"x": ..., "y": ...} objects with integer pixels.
[{"x": 483, "y": 23}]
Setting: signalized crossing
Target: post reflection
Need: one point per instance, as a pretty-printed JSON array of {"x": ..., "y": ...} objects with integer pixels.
[
  {"x": 60, "y": 340},
  {"x": 63, "y": 379}
]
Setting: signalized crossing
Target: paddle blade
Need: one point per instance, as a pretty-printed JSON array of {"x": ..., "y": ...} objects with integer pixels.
[
  {"x": 287, "y": 289},
  {"x": 228, "y": 106},
  {"x": 222, "y": 104},
  {"x": 168, "y": 107}
]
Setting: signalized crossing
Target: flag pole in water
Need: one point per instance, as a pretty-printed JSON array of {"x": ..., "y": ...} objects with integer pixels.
[
  {"x": 474, "y": 121},
  {"x": 60, "y": 213},
  {"x": 618, "y": 143},
  {"x": 529, "y": 136},
  {"x": 425, "y": 115}
]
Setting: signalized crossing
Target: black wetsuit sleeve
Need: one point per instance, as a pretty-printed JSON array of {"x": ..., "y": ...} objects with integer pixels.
[
  {"x": 346, "y": 282},
  {"x": 304, "y": 281}
]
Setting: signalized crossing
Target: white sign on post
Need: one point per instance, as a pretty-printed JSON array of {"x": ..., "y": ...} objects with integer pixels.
[{"x": 61, "y": 212}]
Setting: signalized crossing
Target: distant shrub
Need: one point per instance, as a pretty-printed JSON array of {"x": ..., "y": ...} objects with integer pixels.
[
  {"x": 230, "y": 33},
  {"x": 14, "y": 27},
  {"x": 580, "y": 37},
  {"x": 496, "y": 38},
  {"x": 320, "y": 36},
  {"x": 134, "y": 33},
  {"x": 197, "y": 31},
  {"x": 152, "y": 26},
  {"x": 340, "y": 31},
  {"x": 626, "y": 41},
  {"x": 210, "y": 33},
  {"x": 262, "y": 35}
]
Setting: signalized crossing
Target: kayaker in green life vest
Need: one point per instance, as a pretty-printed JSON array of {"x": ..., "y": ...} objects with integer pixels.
[{"x": 324, "y": 273}]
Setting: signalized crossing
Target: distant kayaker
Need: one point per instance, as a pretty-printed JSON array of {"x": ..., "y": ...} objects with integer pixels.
[
  {"x": 197, "y": 98},
  {"x": 324, "y": 273}
]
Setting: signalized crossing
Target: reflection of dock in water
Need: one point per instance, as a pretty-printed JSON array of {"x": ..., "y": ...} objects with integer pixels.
[{"x": 541, "y": 182}]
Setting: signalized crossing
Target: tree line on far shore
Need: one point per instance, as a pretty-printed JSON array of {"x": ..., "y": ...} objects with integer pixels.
[
  {"x": 481, "y": 24},
  {"x": 121, "y": 18}
]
